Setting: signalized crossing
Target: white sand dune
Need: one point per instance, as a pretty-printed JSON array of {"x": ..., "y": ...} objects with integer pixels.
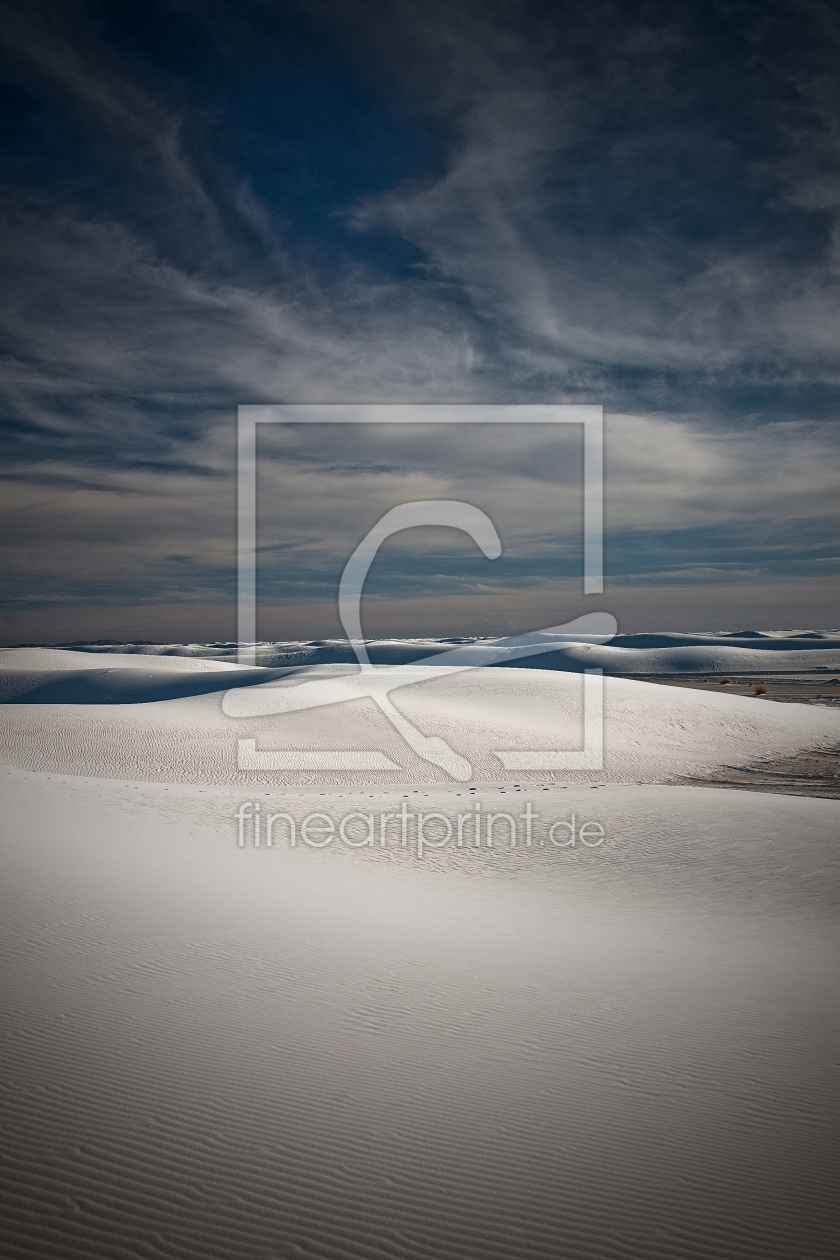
[
  {"x": 622, "y": 1049},
  {"x": 714, "y": 659},
  {"x": 41, "y": 659},
  {"x": 651, "y": 734},
  {"x": 746, "y": 651}
]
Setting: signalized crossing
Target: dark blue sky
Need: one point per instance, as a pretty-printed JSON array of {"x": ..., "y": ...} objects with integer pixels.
[{"x": 212, "y": 203}]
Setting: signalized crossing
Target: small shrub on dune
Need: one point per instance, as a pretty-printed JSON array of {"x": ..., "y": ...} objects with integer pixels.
[
  {"x": 761, "y": 689},
  {"x": 724, "y": 681}
]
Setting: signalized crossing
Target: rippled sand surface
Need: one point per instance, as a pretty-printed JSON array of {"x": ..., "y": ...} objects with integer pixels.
[{"x": 540, "y": 1050}]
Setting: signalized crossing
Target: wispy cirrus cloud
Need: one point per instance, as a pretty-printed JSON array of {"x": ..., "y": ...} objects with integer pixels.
[
  {"x": 50, "y": 45},
  {"x": 600, "y": 206},
  {"x": 620, "y": 203}
]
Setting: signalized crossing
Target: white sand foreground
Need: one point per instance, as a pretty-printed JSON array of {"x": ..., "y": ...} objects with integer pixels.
[{"x": 621, "y": 1049}]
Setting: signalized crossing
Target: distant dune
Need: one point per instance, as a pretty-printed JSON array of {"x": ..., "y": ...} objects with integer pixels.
[{"x": 733, "y": 652}]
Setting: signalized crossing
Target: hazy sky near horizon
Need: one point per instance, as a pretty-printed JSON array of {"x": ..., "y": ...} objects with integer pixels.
[{"x": 214, "y": 203}]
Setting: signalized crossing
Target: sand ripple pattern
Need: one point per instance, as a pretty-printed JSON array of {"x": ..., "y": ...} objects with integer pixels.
[{"x": 627, "y": 1054}]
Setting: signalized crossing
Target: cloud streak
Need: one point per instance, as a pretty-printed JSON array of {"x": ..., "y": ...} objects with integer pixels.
[
  {"x": 629, "y": 204},
  {"x": 688, "y": 276}
]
